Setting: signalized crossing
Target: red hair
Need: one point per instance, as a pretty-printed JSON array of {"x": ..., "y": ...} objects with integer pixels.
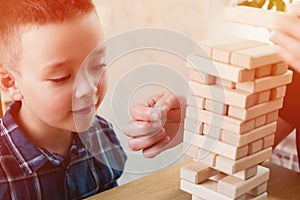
[{"x": 17, "y": 15}]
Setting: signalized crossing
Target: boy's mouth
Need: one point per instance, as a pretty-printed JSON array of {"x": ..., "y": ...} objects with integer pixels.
[{"x": 83, "y": 111}]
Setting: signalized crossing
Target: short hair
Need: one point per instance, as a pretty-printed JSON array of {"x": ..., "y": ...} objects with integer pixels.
[{"x": 17, "y": 16}]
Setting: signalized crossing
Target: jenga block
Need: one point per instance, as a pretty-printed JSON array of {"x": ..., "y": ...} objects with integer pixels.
[
  {"x": 251, "y": 16},
  {"x": 263, "y": 71},
  {"x": 207, "y": 46},
  {"x": 255, "y": 146},
  {"x": 215, "y": 146},
  {"x": 277, "y": 93},
  {"x": 266, "y": 83},
  {"x": 206, "y": 157},
  {"x": 193, "y": 126},
  {"x": 256, "y": 57},
  {"x": 222, "y": 53},
  {"x": 279, "y": 68},
  {"x": 215, "y": 107},
  {"x": 262, "y": 188},
  {"x": 224, "y": 122},
  {"x": 263, "y": 196},
  {"x": 212, "y": 131},
  {"x": 197, "y": 172},
  {"x": 225, "y": 83},
  {"x": 251, "y": 136},
  {"x": 221, "y": 70},
  {"x": 194, "y": 197},
  {"x": 255, "y": 111},
  {"x": 227, "y": 96},
  {"x": 269, "y": 141},
  {"x": 229, "y": 166},
  {"x": 207, "y": 190},
  {"x": 247, "y": 173},
  {"x": 195, "y": 101},
  {"x": 260, "y": 121},
  {"x": 235, "y": 187},
  {"x": 272, "y": 117},
  {"x": 190, "y": 150},
  {"x": 218, "y": 177},
  {"x": 201, "y": 77},
  {"x": 263, "y": 96}
]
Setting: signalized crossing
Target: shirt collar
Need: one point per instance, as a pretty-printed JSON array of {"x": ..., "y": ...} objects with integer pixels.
[{"x": 29, "y": 156}]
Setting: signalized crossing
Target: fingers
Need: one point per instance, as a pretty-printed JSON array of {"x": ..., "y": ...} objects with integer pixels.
[
  {"x": 139, "y": 143},
  {"x": 290, "y": 48},
  {"x": 141, "y": 128},
  {"x": 294, "y": 9},
  {"x": 289, "y": 25},
  {"x": 157, "y": 148}
]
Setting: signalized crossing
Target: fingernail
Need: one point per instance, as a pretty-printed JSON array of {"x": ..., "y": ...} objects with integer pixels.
[{"x": 154, "y": 116}]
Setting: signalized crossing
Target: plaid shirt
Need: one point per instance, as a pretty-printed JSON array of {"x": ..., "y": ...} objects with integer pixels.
[{"x": 96, "y": 160}]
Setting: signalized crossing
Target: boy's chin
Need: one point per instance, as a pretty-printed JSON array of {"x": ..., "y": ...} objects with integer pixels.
[{"x": 83, "y": 123}]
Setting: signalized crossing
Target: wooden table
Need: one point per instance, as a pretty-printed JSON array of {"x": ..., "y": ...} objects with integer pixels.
[{"x": 164, "y": 185}]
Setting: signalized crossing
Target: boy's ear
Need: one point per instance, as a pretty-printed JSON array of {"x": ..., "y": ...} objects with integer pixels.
[{"x": 8, "y": 84}]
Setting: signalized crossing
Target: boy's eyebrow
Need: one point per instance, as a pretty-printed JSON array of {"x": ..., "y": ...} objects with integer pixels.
[{"x": 52, "y": 66}]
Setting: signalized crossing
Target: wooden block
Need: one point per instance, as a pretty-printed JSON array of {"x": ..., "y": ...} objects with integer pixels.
[
  {"x": 190, "y": 150},
  {"x": 278, "y": 92},
  {"x": 215, "y": 107},
  {"x": 224, "y": 122},
  {"x": 263, "y": 71},
  {"x": 195, "y": 101},
  {"x": 218, "y": 177},
  {"x": 229, "y": 166},
  {"x": 225, "y": 83},
  {"x": 256, "y": 57},
  {"x": 235, "y": 187},
  {"x": 207, "y": 46},
  {"x": 269, "y": 141},
  {"x": 272, "y": 117},
  {"x": 279, "y": 68},
  {"x": 251, "y": 136},
  {"x": 207, "y": 190},
  {"x": 222, "y": 53},
  {"x": 197, "y": 172},
  {"x": 193, "y": 126},
  {"x": 255, "y": 111},
  {"x": 212, "y": 131},
  {"x": 263, "y": 196},
  {"x": 194, "y": 197},
  {"x": 255, "y": 146},
  {"x": 260, "y": 121},
  {"x": 247, "y": 173},
  {"x": 206, "y": 157},
  {"x": 215, "y": 146},
  {"x": 263, "y": 96},
  {"x": 228, "y": 96},
  {"x": 201, "y": 77},
  {"x": 266, "y": 83},
  {"x": 262, "y": 188},
  {"x": 221, "y": 70},
  {"x": 251, "y": 16}
]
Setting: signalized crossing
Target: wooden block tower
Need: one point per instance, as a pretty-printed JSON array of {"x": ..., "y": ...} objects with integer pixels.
[{"x": 235, "y": 93}]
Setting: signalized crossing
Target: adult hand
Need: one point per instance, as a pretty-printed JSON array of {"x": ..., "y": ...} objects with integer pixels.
[
  {"x": 287, "y": 36},
  {"x": 156, "y": 124}
]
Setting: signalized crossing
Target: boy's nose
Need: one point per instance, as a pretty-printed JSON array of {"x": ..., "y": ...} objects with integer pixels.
[{"x": 85, "y": 85}]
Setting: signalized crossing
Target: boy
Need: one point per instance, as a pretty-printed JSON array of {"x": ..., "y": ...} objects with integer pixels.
[{"x": 52, "y": 67}]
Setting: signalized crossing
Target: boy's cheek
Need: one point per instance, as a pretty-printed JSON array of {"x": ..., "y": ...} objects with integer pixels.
[{"x": 102, "y": 89}]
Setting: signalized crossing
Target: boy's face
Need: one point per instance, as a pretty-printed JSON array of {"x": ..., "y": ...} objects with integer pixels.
[{"x": 57, "y": 87}]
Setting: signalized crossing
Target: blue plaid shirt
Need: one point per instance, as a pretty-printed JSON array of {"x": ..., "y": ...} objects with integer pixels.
[{"x": 96, "y": 160}]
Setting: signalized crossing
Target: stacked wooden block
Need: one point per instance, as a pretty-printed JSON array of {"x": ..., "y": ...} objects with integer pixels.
[{"x": 235, "y": 93}]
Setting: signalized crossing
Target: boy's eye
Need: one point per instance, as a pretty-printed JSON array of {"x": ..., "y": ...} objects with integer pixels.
[{"x": 61, "y": 79}]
